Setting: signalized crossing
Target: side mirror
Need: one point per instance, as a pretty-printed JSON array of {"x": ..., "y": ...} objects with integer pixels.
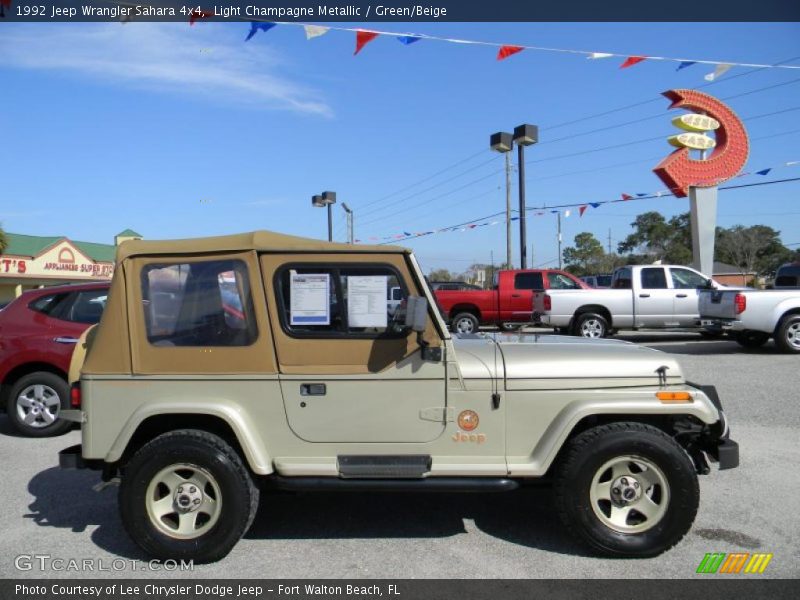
[{"x": 417, "y": 313}]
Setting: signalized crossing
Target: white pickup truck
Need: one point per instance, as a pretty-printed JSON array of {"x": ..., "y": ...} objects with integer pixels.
[
  {"x": 641, "y": 297},
  {"x": 754, "y": 316}
]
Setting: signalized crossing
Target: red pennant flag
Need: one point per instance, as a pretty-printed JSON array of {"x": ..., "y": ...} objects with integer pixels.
[
  {"x": 196, "y": 16},
  {"x": 627, "y": 197},
  {"x": 632, "y": 60},
  {"x": 506, "y": 51},
  {"x": 582, "y": 209},
  {"x": 363, "y": 38}
]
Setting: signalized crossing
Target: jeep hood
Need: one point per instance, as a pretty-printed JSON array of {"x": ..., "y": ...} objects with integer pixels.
[{"x": 536, "y": 362}]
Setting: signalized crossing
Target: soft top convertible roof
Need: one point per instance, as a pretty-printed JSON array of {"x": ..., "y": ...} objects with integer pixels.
[{"x": 266, "y": 241}]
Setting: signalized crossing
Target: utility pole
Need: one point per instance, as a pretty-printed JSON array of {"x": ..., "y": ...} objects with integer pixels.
[
  {"x": 349, "y": 212},
  {"x": 559, "y": 239}
]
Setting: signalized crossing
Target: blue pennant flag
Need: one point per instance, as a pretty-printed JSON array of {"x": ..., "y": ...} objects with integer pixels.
[
  {"x": 255, "y": 26},
  {"x": 407, "y": 233},
  {"x": 686, "y": 63},
  {"x": 514, "y": 219},
  {"x": 408, "y": 39},
  {"x": 554, "y": 211},
  {"x": 641, "y": 195},
  {"x": 763, "y": 171},
  {"x": 595, "y": 204}
]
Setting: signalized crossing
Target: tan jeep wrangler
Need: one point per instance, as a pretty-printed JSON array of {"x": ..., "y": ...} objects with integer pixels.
[{"x": 231, "y": 366}]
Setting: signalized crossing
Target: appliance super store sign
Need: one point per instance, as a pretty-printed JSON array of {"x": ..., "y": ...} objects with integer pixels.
[{"x": 63, "y": 261}]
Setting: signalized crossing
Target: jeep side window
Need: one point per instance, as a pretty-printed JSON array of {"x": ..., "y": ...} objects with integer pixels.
[
  {"x": 364, "y": 301},
  {"x": 653, "y": 278},
  {"x": 198, "y": 304}
]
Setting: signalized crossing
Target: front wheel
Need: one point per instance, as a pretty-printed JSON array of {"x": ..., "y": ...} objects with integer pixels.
[
  {"x": 465, "y": 323},
  {"x": 187, "y": 495},
  {"x": 591, "y": 325},
  {"x": 787, "y": 337},
  {"x": 626, "y": 490}
]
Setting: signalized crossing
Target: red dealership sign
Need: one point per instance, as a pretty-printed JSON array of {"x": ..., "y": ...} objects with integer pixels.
[{"x": 679, "y": 170}]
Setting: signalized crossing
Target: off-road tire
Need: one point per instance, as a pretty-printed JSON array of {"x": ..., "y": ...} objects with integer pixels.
[
  {"x": 586, "y": 322},
  {"x": 587, "y": 453},
  {"x": 239, "y": 495},
  {"x": 787, "y": 334},
  {"x": 51, "y": 382},
  {"x": 464, "y": 317},
  {"x": 751, "y": 339}
]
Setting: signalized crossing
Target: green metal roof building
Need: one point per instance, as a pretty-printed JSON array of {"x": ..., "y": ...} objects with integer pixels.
[{"x": 31, "y": 261}]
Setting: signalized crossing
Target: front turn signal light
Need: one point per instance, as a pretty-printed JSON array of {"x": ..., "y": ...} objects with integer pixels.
[{"x": 674, "y": 396}]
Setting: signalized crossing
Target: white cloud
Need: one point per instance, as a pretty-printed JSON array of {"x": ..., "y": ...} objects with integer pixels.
[{"x": 204, "y": 59}]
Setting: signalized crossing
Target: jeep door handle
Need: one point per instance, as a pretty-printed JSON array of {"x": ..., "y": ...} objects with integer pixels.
[
  {"x": 681, "y": 296},
  {"x": 516, "y": 295},
  {"x": 644, "y": 295},
  {"x": 313, "y": 389},
  {"x": 65, "y": 340}
]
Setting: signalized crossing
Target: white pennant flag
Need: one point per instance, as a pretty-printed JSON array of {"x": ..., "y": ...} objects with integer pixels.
[
  {"x": 313, "y": 31},
  {"x": 567, "y": 213},
  {"x": 718, "y": 72},
  {"x": 599, "y": 55}
]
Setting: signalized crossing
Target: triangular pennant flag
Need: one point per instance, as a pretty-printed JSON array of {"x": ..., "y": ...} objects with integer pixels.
[
  {"x": 195, "y": 15},
  {"x": 595, "y": 204},
  {"x": 718, "y": 72},
  {"x": 632, "y": 60},
  {"x": 506, "y": 51},
  {"x": 514, "y": 219},
  {"x": 626, "y": 197},
  {"x": 686, "y": 63},
  {"x": 363, "y": 38},
  {"x": 408, "y": 39},
  {"x": 255, "y": 26},
  {"x": 641, "y": 195},
  {"x": 582, "y": 209},
  {"x": 763, "y": 171},
  {"x": 567, "y": 213},
  {"x": 792, "y": 162},
  {"x": 313, "y": 31},
  {"x": 553, "y": 211},
  {"x": 595, "y": 55}
]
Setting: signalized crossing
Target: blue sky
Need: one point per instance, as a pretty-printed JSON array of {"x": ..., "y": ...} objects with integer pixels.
[{"x": 179, "y": 131}]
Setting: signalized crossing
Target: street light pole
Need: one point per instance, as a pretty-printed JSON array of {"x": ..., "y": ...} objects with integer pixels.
[
  {"x": 503, "y": 142},
  {"x": 524, "y": 135},
  {"x": 559, "y": 240},
  {"x": 349, "y": 212},
  {"x": 326, "y": 199}
]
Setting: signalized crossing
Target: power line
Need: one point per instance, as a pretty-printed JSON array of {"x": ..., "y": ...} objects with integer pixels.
[
  {"x": 528, "y": 208},
  {"x": 596, "y": 115}
]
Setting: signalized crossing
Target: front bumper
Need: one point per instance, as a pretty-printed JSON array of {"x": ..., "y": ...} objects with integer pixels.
[{"x": 713, "y": 440}]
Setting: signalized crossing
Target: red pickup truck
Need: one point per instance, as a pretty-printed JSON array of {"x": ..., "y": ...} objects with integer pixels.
[{"x": 508, "y": 304}]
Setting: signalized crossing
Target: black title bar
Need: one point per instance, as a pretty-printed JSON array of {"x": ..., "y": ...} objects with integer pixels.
[{"x": 41, "y": 11}]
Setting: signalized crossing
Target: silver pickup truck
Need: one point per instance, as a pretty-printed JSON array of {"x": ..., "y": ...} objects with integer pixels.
[
  {"x": 641, "y": 297},
  {"x": 754, "y": 316}
]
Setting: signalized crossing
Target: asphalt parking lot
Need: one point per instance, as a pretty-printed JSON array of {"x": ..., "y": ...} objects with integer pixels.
[{"x": 47, "y": 511}]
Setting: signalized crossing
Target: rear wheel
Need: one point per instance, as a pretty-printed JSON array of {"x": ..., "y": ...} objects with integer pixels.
[
  {"x": 591, "y": 325},
  {"x": 187, "y": 495},
  {"x": 787, "y": 337},
  {"x": 35, "y": 403},
  {"x": 626, "y": 490},
  {"x": 752, "y": 339},
  {"x": 465, "y": 323}
]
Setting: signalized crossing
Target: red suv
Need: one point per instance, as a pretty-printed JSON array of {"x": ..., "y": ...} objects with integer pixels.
[{"x": 38, "y": 331}]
